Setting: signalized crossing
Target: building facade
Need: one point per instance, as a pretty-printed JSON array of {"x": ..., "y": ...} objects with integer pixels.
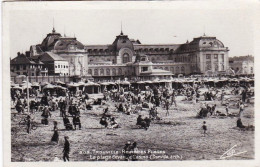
[
  {"x": 23, "y": 65},
  {"x": 129, "y": 58},
  {"x": 243, "y": 65},
  {"x": 68, "y": 55},
  {"x": 205, "y": 55}
]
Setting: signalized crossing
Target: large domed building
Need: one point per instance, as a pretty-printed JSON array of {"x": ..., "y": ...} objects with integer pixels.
[
  {"x": 129, "y": 58},
  {"x": 203, "y": 55},
  {"x": 61, "y": 55}
]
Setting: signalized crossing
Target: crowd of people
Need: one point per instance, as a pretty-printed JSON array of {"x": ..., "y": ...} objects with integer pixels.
[{"x": 130, "y": 101}]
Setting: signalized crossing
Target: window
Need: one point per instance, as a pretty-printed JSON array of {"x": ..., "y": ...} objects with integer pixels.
[
  {"x": 89, "y": 71},
  {"x": 101, "y": 71},
  {"x": 144, "y": 69},
  {"x": 182, "y": 69},
  {"x": 143, "y": 59},
  {"x": 119, "y": 71},
  {"x": 17, "y": 68},
  {"x": 125, "y": 58},
  {"x": 32, "y": 74},
  {"x": 222, "y": 56},
  {"x": 96, "y": 72},
  {"x": 215, "y": 56},
  {"x": 252, "y": 70},
  {"x": 64, "y": 66},
  {"x": 166, "y": 68},
  {"x": 67, "y": 66},
  {"x": 108, "y": 71},
  {"x": 58, "y": 66},
  {"x": 177, "y": 69},
  {"x": 24, "y": 67},
  {"x": 216, "y": 67},
  {"x": 113, "y": 71},
  {"x": 18, "y": 73},
  {"x": 24, "y": 73},
  {"x": 207, "y": 56},
  {"x": 172, "y": 69},
  {"x": 55, "y": 66},
  {"x": 208, "y": 65}
]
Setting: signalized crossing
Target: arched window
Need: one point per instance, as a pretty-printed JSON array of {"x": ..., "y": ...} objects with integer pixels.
[
  {"x": 113, "y": 71},
  {"x": 108, "y": 71},
  {"x": 216, "y": 67},
  {"x": 119, "y": 71},
  {"x": 177, "y": 69},
  {"x": 96, "y": 72},
  {"x": 89, "y": 71},
  {"x": 126, "y": 58},
  {"x": 182, "y": 69},
  {"x": 172, "y": 69},
  {"x": 101, "y": 71}
]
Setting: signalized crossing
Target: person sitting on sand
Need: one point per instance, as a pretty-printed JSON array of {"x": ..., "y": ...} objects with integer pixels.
[
  {"x": 139, "y": 120},
  {"x": 113, "y": 123},
  {"x": 239, "y": 123}
]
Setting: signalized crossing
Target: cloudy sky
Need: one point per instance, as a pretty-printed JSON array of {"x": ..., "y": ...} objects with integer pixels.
[{"x": 151, "y": 25}]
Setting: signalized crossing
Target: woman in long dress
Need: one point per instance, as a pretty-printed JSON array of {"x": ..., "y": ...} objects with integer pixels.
[{"x": 55, "y": 137}]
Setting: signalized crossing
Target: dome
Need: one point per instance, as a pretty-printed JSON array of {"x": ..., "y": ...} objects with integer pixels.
[
  {"x": 200, "y": 43},
  {"x": 67, "y": 43},
  {"x": 207, "y": 42},
  {"x": 49, "y": 41},
  {"x": 122, "y": 41}
]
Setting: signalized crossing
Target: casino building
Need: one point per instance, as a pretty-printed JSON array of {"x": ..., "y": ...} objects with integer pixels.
[{"x": 129, "y": 58}]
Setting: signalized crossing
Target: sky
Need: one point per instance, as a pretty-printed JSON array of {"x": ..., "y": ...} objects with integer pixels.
[{"x": 234, "y": 27}]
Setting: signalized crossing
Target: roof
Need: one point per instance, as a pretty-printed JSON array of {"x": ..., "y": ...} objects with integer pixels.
[
  {"x": 64, "y": 43},
  {"x": 50, "y": 40},
  {"x": 156, "y": 72},
  {"x": 200, "y": 42},
  {"x": 50, "y": 56},
  {"x": 21, "y": 59},
  {"x": 122, "y": 41}
]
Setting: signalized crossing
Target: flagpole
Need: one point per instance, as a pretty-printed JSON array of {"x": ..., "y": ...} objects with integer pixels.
[{"x": 27, "y": 80}]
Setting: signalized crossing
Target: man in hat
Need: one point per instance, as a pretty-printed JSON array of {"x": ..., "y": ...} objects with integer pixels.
[{"x": 66, "y": 149}]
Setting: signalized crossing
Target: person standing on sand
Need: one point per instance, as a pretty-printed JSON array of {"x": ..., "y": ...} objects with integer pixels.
[
  {"x": 66, "y": 149},
  {"x": 241, "y": 109},
  {"x": 204, "y": 127},
  {"x": 55, "y": 137}
]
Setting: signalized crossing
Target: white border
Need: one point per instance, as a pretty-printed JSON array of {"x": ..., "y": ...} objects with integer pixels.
[{"x": 29, "y": 5}]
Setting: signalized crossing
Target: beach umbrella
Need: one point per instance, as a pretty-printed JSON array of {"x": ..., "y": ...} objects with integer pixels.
[
  {"x": 125, "y": 83},
  {"x": 49, "y": 86}
]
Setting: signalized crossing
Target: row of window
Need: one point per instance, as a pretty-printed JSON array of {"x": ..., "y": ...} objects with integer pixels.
[
  {"x": 172, "y": 69},
  {"x": 61, "y": 66},
  {"x": 216, "y": 56},
  {"x": 32, "y": 74},
  {"x": 107, "y": 72},
  {"x": 18, "y": 67},
  {"x": 216, "y": 66}
]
